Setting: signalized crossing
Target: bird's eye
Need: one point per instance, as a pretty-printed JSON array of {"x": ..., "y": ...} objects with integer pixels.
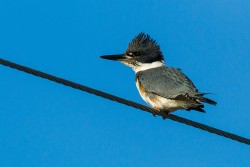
[{"x": 133, "y": 54}]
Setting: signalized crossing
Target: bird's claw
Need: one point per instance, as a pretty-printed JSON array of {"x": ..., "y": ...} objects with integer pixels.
[{"x": 164, "y": 114}]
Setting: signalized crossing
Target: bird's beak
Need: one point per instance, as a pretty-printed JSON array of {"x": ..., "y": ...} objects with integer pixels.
[{"x": 118, "y": 57}]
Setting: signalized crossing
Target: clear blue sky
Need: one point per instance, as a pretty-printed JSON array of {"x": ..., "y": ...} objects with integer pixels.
[{"x": 46, "y": 124}]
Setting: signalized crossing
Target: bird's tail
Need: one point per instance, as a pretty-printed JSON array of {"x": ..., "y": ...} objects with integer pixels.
[
  {"x": 193, "y": 102},
  {"x": 196, "y": 106},
  {"x": 200, "y": 98},
  {"x": 204, "y": 99},
  {"x": 207, "y": 100}
]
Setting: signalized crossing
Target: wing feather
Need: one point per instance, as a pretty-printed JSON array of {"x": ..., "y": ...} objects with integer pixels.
[{"x": 167, "y": 82}]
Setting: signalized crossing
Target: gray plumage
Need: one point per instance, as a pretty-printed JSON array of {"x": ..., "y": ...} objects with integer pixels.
[{"x": 166, "y": 81}]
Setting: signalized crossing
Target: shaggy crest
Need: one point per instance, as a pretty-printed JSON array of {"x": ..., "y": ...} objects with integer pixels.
[{"x": 144, "y": 45}]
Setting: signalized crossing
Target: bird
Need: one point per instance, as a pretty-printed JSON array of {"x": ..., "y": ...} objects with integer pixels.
[{"x": 165, "y": 88}]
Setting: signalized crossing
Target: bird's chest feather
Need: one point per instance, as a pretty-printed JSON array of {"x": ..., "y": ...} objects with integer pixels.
[
  {"x": 143, "y": 93},
  {"x": 156, "y": 101}
]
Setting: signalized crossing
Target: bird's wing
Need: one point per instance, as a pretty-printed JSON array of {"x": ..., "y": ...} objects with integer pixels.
[{"x": 167, "y": 82}]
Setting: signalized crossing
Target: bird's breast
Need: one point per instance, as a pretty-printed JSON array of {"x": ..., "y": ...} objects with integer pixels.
[
  {"x": 143, "y": 92},
  {"x": 157, "y": 102}
]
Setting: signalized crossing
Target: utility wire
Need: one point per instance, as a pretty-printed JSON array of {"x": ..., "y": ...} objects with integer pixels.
[{"x": 123, "y": 101}]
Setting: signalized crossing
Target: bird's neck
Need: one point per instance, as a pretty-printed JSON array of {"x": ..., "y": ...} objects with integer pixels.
[{"x": 147, "y": 66}]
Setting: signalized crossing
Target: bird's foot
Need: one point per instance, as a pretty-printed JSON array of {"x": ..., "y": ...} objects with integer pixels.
[{"x": 164, "y": 114}]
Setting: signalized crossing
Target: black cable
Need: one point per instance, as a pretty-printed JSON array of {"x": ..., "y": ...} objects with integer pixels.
[{"x": 123, "y": 101}]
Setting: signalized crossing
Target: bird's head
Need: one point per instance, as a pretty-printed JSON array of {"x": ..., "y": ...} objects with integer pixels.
[{"x": 143, "y": 53}]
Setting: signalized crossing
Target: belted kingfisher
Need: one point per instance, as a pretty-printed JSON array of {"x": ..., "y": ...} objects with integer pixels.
[{"x": 165, "y": 88}]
